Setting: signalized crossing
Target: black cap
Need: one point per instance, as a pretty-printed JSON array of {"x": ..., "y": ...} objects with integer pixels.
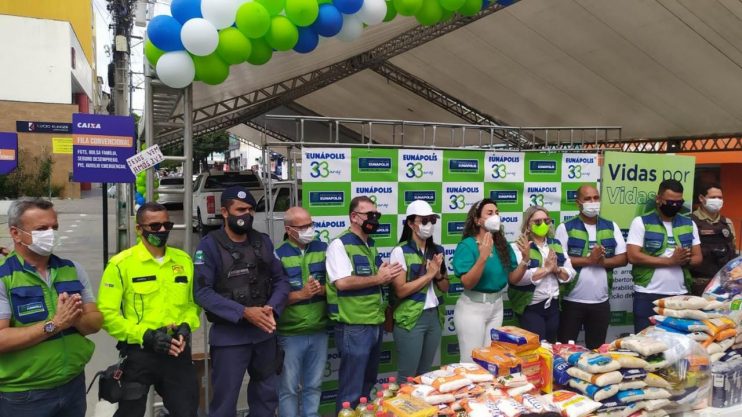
[{"x": 238, "y": 192}]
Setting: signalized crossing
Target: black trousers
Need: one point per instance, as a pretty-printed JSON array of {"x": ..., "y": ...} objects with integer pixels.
[
  {"x": 174, "y": 379},
  {"x": 594, "y": 318}
]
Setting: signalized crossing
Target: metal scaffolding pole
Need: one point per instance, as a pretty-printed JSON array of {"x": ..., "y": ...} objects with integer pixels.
[{"x": 148, "y": 129}]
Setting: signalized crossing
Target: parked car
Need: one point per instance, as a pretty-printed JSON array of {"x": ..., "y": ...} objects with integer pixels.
[
  {"x": 207, "y": 192},
  {"x": 170, "y": 184}
]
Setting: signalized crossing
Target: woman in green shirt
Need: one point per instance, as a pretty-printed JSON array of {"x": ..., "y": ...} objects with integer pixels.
[{"x": 484, "y": 262}]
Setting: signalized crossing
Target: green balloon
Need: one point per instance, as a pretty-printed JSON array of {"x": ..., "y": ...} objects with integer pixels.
[
  {"x": 282, "y": 35},
  {"x": 210, "y": 69},
  {"x": 261, "y": 52},
  {"x": 324, "y": 1},
  {"x": 152, "y": 52},
  {"x": 274, "y": 7},
  {"x": 253, "y": 20},
  {"x": 407, "y": 7},
  {"x": 430, "y": 13},
  {"x": 447, "y": 15},
  {"x": 452, "y": 5},
  {"x": 391, "y": 11},
  {"x": 470, "y": 7},
  {"x": 302, "y": 12},
  {"x": 234, "y": 47}
]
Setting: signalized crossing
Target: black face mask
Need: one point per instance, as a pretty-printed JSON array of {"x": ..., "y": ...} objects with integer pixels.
[
  {"x": 240, "y": 224},
  {"x": 370, "y": 225},
  {"x": 156, "y": 239},
  {"x": 671, "y": 208}
]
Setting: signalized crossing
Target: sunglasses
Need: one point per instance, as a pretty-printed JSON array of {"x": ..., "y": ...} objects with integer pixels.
[
  {"x": 158, "y": 226},
  {"x": 370, "y": 214},
  {"x": 424, "y": 220},
  {"x": 674, "y": 202},
  {"x": 539, "y": 222}
]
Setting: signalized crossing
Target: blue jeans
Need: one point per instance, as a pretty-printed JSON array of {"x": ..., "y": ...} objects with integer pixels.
[
  {"x": 303, "y": 363},
  {"x": 644, "y": 309},
  {"x": 359, "y": 346},
  {"x": 542, "y": 321},
  {"x": 66, "y": 400}
]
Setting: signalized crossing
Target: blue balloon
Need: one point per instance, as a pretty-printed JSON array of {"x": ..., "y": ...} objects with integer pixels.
[
  {"x": 329, "y": 21},
  {"x": 164, "y": 32},
  {"x": 140, "y": 200},
  {"x": 308, "y": 40},
  {"x": 183, "y": 10},
  {"x": 348, "y": 6},
  {"x": 485, "y": 4},
  {"x": 505, "y": 3}
]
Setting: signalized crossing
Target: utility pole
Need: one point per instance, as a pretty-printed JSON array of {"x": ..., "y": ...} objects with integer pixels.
[{"x": 122, "y": 14}]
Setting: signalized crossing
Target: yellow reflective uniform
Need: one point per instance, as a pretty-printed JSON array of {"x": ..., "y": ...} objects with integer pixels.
[{"x": 138, "y": 293}]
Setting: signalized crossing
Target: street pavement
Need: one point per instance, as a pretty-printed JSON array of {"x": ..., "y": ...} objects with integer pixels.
[{"x": 80, "y": 229}]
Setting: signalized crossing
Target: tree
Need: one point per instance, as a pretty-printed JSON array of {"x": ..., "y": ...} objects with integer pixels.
[{"x": 203, "y": 146}]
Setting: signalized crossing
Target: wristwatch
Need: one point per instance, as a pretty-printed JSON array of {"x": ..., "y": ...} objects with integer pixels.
[{"x": 49, "y": 327}]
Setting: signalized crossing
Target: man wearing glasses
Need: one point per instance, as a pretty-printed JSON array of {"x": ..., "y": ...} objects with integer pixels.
[
  {"x": 146, "y": 298},
  {"x": 243, "y": 288},
  {"x": 302, "y": 328},
  {"x": 355, "y": 300}
]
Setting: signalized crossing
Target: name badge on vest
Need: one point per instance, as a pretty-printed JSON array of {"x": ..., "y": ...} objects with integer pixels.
[
  {"x": 653, "y": 244},
  {"x": 319, "y": 276},
  {"x": 363, "y": 270},
  {"x": 574, "y": 251},
  {"x": 295, "y": 284},
  {"x": 31, "y": 308}
]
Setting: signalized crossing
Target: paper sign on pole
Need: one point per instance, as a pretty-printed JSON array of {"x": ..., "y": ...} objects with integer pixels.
[
  {"x": 62, "y": 146},
  {"x": 145, "y": 159}
]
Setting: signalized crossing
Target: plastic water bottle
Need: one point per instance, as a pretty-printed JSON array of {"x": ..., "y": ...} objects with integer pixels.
[
  {"x": 362, "y": 405},
  {"x": 347, "y": 411}
]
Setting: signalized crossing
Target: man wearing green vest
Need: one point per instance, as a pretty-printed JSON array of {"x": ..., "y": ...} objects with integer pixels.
[
  {"x": 302, "y": 328},
  {"x": 355, "y": 301},
  {"x": 46, "y": 309},
  {"x": 595, "y": 246},
  {"x": 146, "y": 297},
  {"x": 661, "y": 247}
]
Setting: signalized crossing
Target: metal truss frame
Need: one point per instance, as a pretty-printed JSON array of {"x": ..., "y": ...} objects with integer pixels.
[{"x": 677, "y": 144}]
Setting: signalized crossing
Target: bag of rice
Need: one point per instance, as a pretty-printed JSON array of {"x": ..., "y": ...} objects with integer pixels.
[
  {"x": 682, "y": 302},
  {"x": 572, "y": 404},
  {"x": 470, "y": 370},
  {"x": 628, "y": 361},
  {"x": 533, "y": 404},
  {"x": 681, "y": 314},
  {"x": 450, "y": 383},
  {"x": 600, "y": 380},
  {"x": 518, "y": 391},
  {"x": 594, "y": 363},
  {"x": 430, "y": 395},
  {"x": 657, "y": 413},
  {"x": 495, "y": 360},
  {"x": 510, "y": 408},
  {"x": 654, "y": 380},
  {"x": 630, "y": 396},
  {"x": 652, "y": 405},
  {"x": 716, "y": 325},
  {"x": 654, "y": 393},
  {"x": 629, "y": 385},
  {"x": 561, "y": 377},
  {"x": 643, "y": 345},
  {"x": 428, "y": 377},
  {"x": 685, "y": 325},
  {"x": 633, "y": 374},
  {"x": 482, "y": 406},
  {"x": 515, "y": 338},
  {"x": 511, "y": 381},
  {"x": 468, "y": 391},
  {"x": 715, "y": 357},
  {"x": 717, "y": 305},
  {"x": 593, "y": 391},
  {"x": 726, "y": 334}
]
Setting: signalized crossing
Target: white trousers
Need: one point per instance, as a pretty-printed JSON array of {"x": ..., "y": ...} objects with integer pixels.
[{"x": 474, "y": 316}]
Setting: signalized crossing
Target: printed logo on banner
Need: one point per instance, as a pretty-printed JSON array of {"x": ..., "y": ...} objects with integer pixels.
[
  {"x": 504, "y": 196},
  {"x": 449, "y": 328},
  {"x": 511, "y": 225},
  {"x": 428, "y": 196},
  {"x": 458, "y": 197},
  {"x": 463, "y": 165},
  {"x": 566, "y": 215},
  {"x": 548, "y": 195},
  {"x": 419, "y": 165},
  {"x": 374, "y": 165},
  {"x": 327, "y": 228},
  {"x": 505, "y": 166},
  {"x": 543, "y": 167},
  {"x": 448, "y": 251},
  {"x": 383, "y": 232},
  {"x": 580, "y": 167},
  {"x": 385, "y": 253},
  {"x": 381, "y": 193},
  {"x": 325, "y": 164},
  {"x": 326, "y": 198}
]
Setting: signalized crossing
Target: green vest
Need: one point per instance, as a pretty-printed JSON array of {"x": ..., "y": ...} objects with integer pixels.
[
  {"x": 409, "y": 309},
  {"x": 578, "y": 245},
  {"x": 655, "y": 244},
  {"x": 520, "y": 296},
  {"x": 58, "y": 359},
  {"x": 364, "y": 306},
  {"x": 306, "y": 316}
]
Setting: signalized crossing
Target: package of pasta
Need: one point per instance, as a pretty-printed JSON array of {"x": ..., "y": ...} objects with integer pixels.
[
  {"x": 430, "y": 395},
  {"x": 628, "y": 361},
  {"x": 601, "y": 380},
  {"x": 407, "y": 406},
  {"x": 566, "y": 349},
  {"x": 714, "y": 326},
  {"x": 726, "y": 334},
  {"x": 572, "y": 404},
  {"x": 547, "y": 366},
  {"x": 470, "y": 370},
  {"x": 595, "y": 363},
  {"x": 643, "y": 345},
  {"x": 682, "y": 302},
  {"x": 593, "y": 391},
  {"x": 514, "y": 338},
  {"x": 450, "y": 383},
  {"x": 496, "y": 361}
]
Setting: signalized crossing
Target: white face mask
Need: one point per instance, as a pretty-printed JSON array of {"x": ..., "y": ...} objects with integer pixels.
[
  {"x": 713, "y": 205},
  {"x": 305, "y": 236},
  {"x": 43, "y": 242},
  {"x": 591, "y": 209},
  {"x": 425, "y": 231},
  {"x": 493, "y": 224}
]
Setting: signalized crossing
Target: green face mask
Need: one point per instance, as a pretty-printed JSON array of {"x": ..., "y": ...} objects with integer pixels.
[{"x": 540, "y": 230}]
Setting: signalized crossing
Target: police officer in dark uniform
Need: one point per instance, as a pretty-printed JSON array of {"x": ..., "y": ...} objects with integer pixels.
[
  {"x": 243, "y": 288},
  {"x": 717, "y": 236}
]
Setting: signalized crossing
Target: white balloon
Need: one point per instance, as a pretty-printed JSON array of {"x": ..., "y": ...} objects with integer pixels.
[
  {"x": 199, "y": 37},
  {"x": 372, "y": 12},
  {"x": 352, "y": 28},
  {"x": 176, "y": 69},
  {"x": 220, "y": 13}
]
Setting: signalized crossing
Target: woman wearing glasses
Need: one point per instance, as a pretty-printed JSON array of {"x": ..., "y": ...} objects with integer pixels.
[
  {"x": 419, "y": 289},
  {"x": 483, "y": 261},
  {"x": 534, "y": 295}
]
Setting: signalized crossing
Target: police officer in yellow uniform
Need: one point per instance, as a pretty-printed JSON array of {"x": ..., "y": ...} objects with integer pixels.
[{"x": 146, "y": 297}]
